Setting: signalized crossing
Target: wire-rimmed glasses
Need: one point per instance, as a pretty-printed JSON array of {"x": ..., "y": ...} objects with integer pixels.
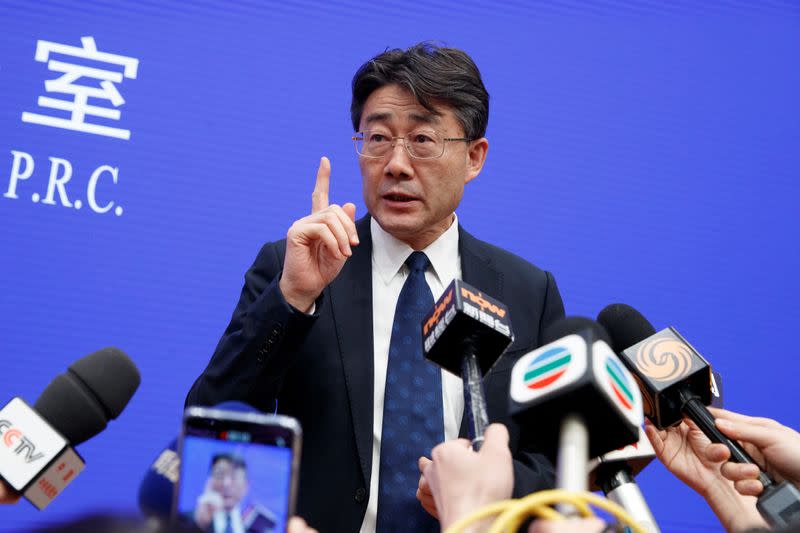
[{"x": 425, "y": 144}]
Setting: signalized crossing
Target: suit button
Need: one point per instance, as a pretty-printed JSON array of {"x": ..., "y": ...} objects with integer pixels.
[{"x": 361, "y": 495}]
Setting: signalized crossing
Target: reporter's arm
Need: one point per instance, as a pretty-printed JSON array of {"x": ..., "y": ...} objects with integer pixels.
[
  {"x": 689, "y": 455},
  {"x": 571, "y": 525},
  {"x": 775, "y": 447},
  {"x": 462, "y": 480}
]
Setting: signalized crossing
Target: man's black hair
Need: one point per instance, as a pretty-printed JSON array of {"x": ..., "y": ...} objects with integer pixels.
[
  {"x": 236, "y": 460},
  {"x": 433, "y": 74}
]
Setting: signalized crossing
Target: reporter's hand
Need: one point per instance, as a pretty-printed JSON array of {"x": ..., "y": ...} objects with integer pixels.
[
  {"x": 775, "y": 447},
  {"x": 692, "y": 458},
  {"x": 424, "y": 492},
  {"x": 462, "y": 480},
  {"x": 298, "y": 525},
  {"x": 570, "y": 525},
  {"x": 318, "y": 245},
  {"x": 7, "y": 496}
]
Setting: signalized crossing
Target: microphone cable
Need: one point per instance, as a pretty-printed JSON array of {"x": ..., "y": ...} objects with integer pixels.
[{"x": 512, "y": 513}]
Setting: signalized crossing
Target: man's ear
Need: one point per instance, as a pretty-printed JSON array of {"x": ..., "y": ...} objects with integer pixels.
[{"x": 476, "y": 157}]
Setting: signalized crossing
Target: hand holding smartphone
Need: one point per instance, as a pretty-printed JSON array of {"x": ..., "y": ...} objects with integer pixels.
[{"x": 238, "y": 470}]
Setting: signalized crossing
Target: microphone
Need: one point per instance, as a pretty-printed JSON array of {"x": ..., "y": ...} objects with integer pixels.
[
  {"x": 157, "y": 489},
  {"x": 614, "y": 473},
  {"x": 158, "y": 485},
  {"x": 37, "y": 457},
  {"x": 465, "y": 333},
  {"x": 573, "y": 387},
  {"x": 676, "y": 381}
]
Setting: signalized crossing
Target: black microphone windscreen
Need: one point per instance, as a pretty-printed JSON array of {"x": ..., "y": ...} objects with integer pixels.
[
  {"x": 573, "y": 324},
  {"x": 625, "y": 325},
  {"x": 79, "y": 403},
  {"x": 111, "y": 376},
  {"x": 71, "y": 409}
]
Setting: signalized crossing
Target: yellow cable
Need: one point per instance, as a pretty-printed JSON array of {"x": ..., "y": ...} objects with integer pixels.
[
  {"x": 495, "y": 509},
  {"x": 514, "y": 512},
  {"x": 535, "y": 504}
]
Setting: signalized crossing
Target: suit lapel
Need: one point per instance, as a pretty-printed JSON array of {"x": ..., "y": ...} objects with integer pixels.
[
  {"x": 351, "y": 302},
  {"x": 477, "y": 270}
]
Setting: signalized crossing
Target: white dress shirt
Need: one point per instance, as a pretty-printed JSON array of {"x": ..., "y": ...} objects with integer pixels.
[
  {"x": 221, "y": 517},
  {"x": 389, "y": 273}
]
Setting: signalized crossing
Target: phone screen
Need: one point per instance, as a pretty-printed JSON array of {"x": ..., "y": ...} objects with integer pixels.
[{"x": 237, "y": 476}]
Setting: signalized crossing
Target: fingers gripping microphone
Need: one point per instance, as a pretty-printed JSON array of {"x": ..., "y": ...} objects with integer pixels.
[
  {"x": 577, "y": 397},
  {"x": 465, "y": 333},
  {"x": 36, "y": 454},
  {"x": 676, "y": 381}
]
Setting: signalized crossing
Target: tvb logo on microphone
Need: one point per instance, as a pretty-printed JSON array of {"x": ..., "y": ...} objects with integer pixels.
[
  {"x": 22, "y": 446},
  {"x": 549, "y": 369}
]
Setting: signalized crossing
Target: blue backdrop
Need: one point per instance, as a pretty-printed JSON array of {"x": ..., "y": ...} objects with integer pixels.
[{"x": 642, "y": 151}]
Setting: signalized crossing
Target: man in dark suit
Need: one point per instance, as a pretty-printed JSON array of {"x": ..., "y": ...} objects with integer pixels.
[
  {"x": 327, "y": 328},
  {"x": 221, "y": 509}
]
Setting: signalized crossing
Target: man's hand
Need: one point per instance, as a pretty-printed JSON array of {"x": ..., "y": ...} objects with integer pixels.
[
  {"x": 462, "y": 480},
  {"x": 7, "y": 496},
  {"x": 772, "y": 445},
  {"x": 318, "y": 245},
  {"x": 208, "y": 503},
  {"x": 692, "y": 458}
]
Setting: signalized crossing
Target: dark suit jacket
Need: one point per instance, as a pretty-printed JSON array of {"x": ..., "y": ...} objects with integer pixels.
[{"x": 319, "y": 368}]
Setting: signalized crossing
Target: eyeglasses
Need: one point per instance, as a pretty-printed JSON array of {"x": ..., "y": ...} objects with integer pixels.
[
  {"x": 235, "y": 474},
  {"x": 419, "y": 144}
]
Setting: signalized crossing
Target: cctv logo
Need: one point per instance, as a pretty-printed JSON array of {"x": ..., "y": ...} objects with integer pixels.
[{"x": 13, "y": 438}]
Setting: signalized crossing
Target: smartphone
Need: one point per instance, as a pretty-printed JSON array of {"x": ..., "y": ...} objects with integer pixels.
[{"x": 238, "y": 470}]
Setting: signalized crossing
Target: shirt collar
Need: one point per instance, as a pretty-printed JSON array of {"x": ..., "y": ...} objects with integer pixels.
[
  {"x": 220, "y": 519},
  {"x": 389, "y": 253}
]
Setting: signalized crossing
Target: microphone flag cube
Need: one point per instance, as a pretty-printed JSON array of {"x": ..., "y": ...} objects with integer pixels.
[
  {"x": 636, "y": 456},
  {"x": 662, "y": 364},
  {"x": 465, "y": 319},
  {"x": 35, "y": 459},
  {"x": 576, "y": 374}
]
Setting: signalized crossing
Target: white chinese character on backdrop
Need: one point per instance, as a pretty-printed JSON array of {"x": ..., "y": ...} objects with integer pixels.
[{"x": 66, "y": 84}]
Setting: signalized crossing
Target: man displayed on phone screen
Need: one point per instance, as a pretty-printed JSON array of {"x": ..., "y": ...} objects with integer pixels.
[{"x": 221, "y": 508}]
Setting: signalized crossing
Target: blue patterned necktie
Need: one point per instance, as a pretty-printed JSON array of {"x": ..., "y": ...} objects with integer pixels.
[{"x": 412, "y": 409}]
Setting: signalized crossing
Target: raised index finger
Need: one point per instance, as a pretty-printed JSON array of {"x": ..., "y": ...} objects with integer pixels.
[{"x": 319, "y": 198}]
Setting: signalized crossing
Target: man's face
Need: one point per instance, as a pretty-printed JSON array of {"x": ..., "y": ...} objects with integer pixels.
[
  {"x": 414, "y": 199},
  {"x": 230, "y": 482}
]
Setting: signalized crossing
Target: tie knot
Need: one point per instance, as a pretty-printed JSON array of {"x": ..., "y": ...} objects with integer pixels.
[{"x": 417, "y": 262}]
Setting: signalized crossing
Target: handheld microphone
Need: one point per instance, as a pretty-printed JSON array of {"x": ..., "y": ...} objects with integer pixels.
[
  {"x": 614, "y": 473},
  {"x": 36, "y": 454},
  {"x": 158, "y": 485},
  {"x": 676, "y": 381},
  {"x": 465, "y": 333},
  {"x": 576, "y": 396}
]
